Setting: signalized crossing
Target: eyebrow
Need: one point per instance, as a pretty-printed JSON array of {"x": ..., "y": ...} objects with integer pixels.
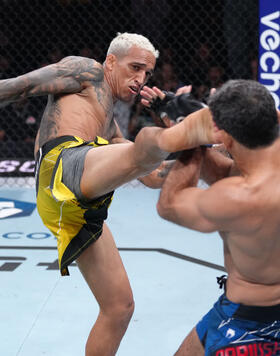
[{"x": 150, "y": 71}]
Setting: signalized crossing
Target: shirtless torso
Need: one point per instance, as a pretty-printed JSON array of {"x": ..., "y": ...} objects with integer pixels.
[
  {"x": 252, "y": 244},
  {"x": 86, "y": 114},
  {"x": 81, "y": 94},
  {"x": 242, "y": 204}
]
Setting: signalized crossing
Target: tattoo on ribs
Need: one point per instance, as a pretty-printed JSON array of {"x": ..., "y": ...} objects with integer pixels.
[
  {"x": 49, "y": 124},
  {"x": 104, "y": 97}
]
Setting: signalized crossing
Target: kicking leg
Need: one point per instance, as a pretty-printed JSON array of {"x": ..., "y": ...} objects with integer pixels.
[
  {"x": 110, "y": 166},
  {"x": 191, "y": 346},
  {"x": 104, "y": 272}
]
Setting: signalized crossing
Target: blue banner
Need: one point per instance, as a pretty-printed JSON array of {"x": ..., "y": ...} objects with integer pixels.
[{"x": 269, "y": 47}]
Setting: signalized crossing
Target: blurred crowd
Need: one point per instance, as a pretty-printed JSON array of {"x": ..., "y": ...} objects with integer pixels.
[
  {"x": 19, "y": 121},
  {"x": 202, "y": 43}
]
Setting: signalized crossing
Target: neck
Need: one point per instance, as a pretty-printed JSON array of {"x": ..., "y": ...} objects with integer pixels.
[
  {"x": 109, "y": 80},
  {"x": 252, "y": 161}
]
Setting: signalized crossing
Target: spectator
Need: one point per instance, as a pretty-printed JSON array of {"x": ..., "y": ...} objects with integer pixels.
[
  {"x": 149, "y": 16},
  {"x": 241, "y": 38},
  {"x": 215, "y": 76},
  {"x": 5, "y": 67},
  {"x": 55, "y": 55},
  {"x": 167, "y": 79},
  {"x": 254, "y": 68},
  {"x": 20, "y": 121},
  {"x": 199, "y": 65},
  {"x": 201, "y": 92}
]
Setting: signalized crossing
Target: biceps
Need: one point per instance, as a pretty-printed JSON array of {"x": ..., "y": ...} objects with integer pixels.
[
  {"x": 43, "y": 81},
  {"x": 55, "y": 86},
  {"x": 184, "y": 210},
  {"x": 69, "y": 75}
]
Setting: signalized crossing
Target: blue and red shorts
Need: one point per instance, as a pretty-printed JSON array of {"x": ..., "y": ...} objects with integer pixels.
[{"x": 231, "y": 329}]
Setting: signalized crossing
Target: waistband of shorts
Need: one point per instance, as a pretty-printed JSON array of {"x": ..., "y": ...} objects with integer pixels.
[
  {"x": 263, "y": 314},
  {"x": 48, "y": 146}
]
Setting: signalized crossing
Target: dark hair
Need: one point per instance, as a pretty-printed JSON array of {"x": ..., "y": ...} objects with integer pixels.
[{"x": 246, "y": 110}]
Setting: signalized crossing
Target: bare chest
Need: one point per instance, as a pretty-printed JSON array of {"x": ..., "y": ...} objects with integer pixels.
[{"x": 86, "y": 114}]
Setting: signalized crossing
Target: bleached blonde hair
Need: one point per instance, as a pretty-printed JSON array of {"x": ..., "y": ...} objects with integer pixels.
[{"x": 121, "y": 44}]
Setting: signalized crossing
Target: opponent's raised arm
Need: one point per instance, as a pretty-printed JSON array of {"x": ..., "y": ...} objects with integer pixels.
[
  {"x": 205, "y": 210},
  {"x": 70, "y": 75},
  {"x": 217, "y": 164},
  {"x": 180, "y": 183}
]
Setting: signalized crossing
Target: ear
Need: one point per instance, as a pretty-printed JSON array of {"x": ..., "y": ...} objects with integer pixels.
[
  {"x": 226, "y": 139},
  {"x": 110, "y": 62}
]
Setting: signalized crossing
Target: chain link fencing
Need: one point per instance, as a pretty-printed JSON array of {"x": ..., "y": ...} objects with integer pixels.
[{"x": 201, "y": 42}]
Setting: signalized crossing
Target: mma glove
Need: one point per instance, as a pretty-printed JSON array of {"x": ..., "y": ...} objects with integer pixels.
[{"x": 176, "y": 106}]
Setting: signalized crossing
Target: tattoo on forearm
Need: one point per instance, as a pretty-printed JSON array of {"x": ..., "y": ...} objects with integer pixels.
[{"x": 165, "y": 169}]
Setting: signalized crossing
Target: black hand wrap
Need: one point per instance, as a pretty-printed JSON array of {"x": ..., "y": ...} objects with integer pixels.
[
  {"x": 176, "y": 106},
  {"x": 158, "y": 105}
]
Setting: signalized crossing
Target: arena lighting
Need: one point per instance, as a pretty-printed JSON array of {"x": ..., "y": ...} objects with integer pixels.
[{"x": 269, "y": 47}]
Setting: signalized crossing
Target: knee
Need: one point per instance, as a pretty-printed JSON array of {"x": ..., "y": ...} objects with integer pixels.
[
  {"x": 121, "y": 312},
  {"x": 124, "y": 311}
]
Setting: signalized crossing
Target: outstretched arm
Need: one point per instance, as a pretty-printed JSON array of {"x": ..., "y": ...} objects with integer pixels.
[{"x": 70, "y": 75}]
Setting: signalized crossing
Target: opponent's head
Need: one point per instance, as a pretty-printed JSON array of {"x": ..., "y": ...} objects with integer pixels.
[
  {"x": 129, "y": 64},
  {"x": 245, "y": 110}
]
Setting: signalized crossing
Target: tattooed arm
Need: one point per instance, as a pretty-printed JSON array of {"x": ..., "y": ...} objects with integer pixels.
[
  {"x": 70, "y": 75},
  {"x": 156, "y": 178}
]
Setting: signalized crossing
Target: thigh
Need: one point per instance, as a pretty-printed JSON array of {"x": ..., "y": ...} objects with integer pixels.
[
  {"x": 103, "y": 270},
  {"x": 108, "y": 167},
  {"x": 191, "y": 346}
]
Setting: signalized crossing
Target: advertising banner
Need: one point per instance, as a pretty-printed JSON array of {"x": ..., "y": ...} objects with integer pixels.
[{"x": 269, "y": 47}]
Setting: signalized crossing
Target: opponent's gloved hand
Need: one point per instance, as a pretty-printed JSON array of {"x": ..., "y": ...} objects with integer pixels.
[{"x": 176, "y": 106}]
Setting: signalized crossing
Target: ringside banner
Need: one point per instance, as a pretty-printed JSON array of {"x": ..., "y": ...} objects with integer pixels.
[
  {"x": 16, "y": 167},
  {"x": 269, "y": 47}
]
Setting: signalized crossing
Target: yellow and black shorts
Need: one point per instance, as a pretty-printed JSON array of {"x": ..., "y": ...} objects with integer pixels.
[{"x": 75, "y": 221}]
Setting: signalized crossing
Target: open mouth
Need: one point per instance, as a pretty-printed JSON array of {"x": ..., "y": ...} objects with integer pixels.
[{"x": 134, "y": 89}]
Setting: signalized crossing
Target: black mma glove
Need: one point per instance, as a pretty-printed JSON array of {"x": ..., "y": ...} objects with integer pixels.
[
  {"x": 176, "y": 106},
  {"x": 158, "y": 105}
]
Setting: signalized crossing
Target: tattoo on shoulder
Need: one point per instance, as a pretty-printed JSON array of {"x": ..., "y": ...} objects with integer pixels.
[
  {"x": 83, "y": 69},
  {"x": 66, "y": 76},
  {"x": 87, "y": 69}
]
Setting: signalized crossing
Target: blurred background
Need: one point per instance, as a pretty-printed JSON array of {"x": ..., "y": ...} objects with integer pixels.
[{"x": 201, "y": 42}]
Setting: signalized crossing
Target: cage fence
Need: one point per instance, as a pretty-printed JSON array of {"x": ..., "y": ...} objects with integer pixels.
[{"x": 201, "y": 42}]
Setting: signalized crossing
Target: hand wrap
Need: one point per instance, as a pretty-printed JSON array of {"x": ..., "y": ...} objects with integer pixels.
[
  {"x": 158, "y": 105},
  {"x": 176, "y": 106}
]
